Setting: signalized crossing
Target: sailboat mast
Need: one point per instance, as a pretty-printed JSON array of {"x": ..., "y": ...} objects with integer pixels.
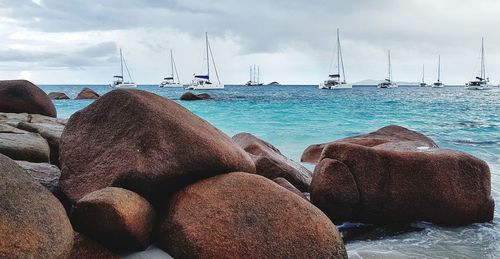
[
  {"x": 423, "y": 73},
  {"x": 250, "y": 73},
  {"x": 483, "y": 72},
  {"x": 121, "y": 62},
  {"x": 208, "y": 59},
  {"x": 258, "y": 75},
  {"x": 172, "y": 62},
  {"x": 389, "y": 57},
  {"x": 439, "y": 68},
  {"x": 338, "y": 54}
]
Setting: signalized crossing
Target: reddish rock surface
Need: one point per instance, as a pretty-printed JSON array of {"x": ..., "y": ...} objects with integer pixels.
[
  {"x": 85, "y": 248},
  {"x": 58, "y": 96},
  {"x": 142, "y": 142},
  {"x": 240, "y": 215},
  {"x": 21, "y": 96},
  {"x": 87, "y": 93},
  {"x": 374, "y": 185},
  {"x": 117, "y": 218},
  {"x": 46, "y": 174},
  {"x": 287, "y": 185},
  {"x": 33, "y": 224},
  {"x": 270, "y": 163},
  {"x": 387, "y": 137}
]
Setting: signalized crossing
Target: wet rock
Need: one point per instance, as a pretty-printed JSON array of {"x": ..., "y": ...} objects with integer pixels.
[
  {"x": 46, "y": 174},
  {"x": 22, "y": 145},
  {"x": 188, "y": 96},
  {"x": 118, "y": 218},
  {"x": 389, "y": 137},
  {"x": 287, "y": 185},
  {"x": 33, "y": 224},
  {"x": 49, "y": 131},
  {"x": 87, "y": 93},
  {"x": 84, "y": 247},
  {"x": 21, "y": 96},
  {"x": 142, "y": 142},
  {"x": 240, "y": 215},
  {"x": 270, "y": 163},
  {"x": 373, "y": 185},
  {"x": 58, "y": 96}
]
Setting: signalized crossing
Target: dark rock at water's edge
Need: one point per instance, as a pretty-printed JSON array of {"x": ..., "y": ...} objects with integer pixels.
[
  {"x": 33, "y": 223},
  {"x": 85, "y": 247},
  {"x": 397, "y": 184},
  {"x": 129, "y": 218},
  {"x": 188, "y": 96},
  {"x": 22, "y": 96},
  {"x": 270, "y": 163},
  {"x": 58, "y": 96},
  {"x": 87, "y": 93},
  {"x": 142, "y": 142},
  {"x": 360, "y": 232},
  {"x": 240, "y": 215},
  {"x": 382, "y": 138}
]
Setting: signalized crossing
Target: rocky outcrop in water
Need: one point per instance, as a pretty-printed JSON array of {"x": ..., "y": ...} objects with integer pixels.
[
  {"x": 87, "y": 93},
  {"x": 58, "y": 96},
  {"x": 270, "y": 163},
  {"x": 396, "y": 182},
  {"x": 241, "y": 215},
  {"x": 33, "y": 224},
  {"x": 188, "y": 96},
  {"x": 21, "y": 96},
  {"x": 383, "y": 138},
  {"x": 145, "y": 143}
]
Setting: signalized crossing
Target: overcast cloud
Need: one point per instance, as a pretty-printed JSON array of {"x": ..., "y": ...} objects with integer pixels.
[{"x": 77, "y": 41}]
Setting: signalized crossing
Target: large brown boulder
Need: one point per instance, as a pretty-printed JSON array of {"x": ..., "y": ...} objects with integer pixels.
[
  {"x": 142, "y": 142},
  {"x": 87, "y": 93},
  {"x": 85, "y": 248},
  {"x": 118, "y": 218},
  {"x": 21, "y": 96},
  {"x": 33, "y": 224},
  {"x": 58, "y": 96},
  {"x": 376, "y": 185},
  {"x": 386, "y": 137},
  {"x": 240, "y": 215},
  {"x": 22, "y": 145},
  {"x": 270, "y": 163}
]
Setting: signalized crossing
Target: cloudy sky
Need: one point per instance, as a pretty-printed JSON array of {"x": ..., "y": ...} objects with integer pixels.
[{"x": 77, "y": 41}]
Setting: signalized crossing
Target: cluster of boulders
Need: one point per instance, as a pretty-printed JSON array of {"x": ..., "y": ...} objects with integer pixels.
[
  {"x": 85, "y": 94},
  {"x": 137, "y": 169}
]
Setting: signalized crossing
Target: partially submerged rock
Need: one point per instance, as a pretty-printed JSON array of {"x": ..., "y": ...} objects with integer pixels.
[
  {"x": 270, "y": 163},
  {"x": 142, "y": 142},
  {"x": 240, "y": 215},
  {"x": 33, "y": 224},
  {"x": 22, "y": 145},
  {"x": 87, "y": 93},
  {"x": 58, "y": 96},
  {"x": 117, "y": 218},
  {"x": 22, "y": 96},
  {"x": 188, "y": 96},
  {"x": 386, "y": 137}
]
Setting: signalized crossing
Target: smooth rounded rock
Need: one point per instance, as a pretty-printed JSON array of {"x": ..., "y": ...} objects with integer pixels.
[
  {"x": 188, "y": 96},
  {"x": 33, "y": 223},
  {"x": 58, "y": 96},
  {"x": 240, "y": 215},
  {"x": 22, "y": 96},
  {"x": 87, "y": 93},
  {"x": 22, "y": 145}
]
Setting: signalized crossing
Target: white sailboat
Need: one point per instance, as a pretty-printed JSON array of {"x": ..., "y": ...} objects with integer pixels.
[
  {"x": 438, "y": 84},
  {"x": 170, "y": 81},
  {"x": 481, "y": 82},
  {"x": 253, "y": 80},
  {"x": 388, "y": 83},
  {"x": 202, "y": 82},
  {"x": 337, "y": 81},
  {"x": 423, "y": 83},
  {"x": 118, "y": 81}
]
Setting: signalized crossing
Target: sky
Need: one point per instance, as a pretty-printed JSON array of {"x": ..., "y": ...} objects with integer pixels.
[{"x": 292, "y": 41}]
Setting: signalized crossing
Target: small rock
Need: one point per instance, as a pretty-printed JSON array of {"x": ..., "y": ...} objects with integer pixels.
[
  {"x": 58, "y": 96},
  {"x": 87, "y": 93},
  {"x": 46, "y": 174},
  {"x": 188, "y": 96},
  {"x": 117, "y": 218},
  {"x": 22, "y": 96}
]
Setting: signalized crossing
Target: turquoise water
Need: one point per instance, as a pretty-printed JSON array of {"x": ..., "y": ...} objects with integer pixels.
[{"x": 293, "y": 117}]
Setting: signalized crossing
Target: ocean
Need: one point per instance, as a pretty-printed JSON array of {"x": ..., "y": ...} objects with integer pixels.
[{"x": 294, "y": 117}]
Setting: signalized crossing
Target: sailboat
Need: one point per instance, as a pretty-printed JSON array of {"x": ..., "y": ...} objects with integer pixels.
[
  {"x": 337, "y": 81},
  {"x": 481, "y": 82},
  {"x": 388, "y": 83},
  {"x": 119, "y": 82},
  {"x": 423, "y": 83},
  {"x": 170, "y": 81},
  {"x": 438, "y": 84},
  {"x": 253, "y": 81},
  {"x": 202, "y": 82}
]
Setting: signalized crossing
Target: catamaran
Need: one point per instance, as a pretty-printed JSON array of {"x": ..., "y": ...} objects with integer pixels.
[
  {"x": 481, "y": 82},
  {"x": 170, "y": 81},
  {"x": 388, "y": 83},
  {"x": 253, "y": 81},
  {"x": 438, "y": 84},
  {"x": 202, "y": 82},
  {"x": 336, "y": 81},
  {"x": 119, "y": 82},
  {"x": 423, "y": 83}
]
